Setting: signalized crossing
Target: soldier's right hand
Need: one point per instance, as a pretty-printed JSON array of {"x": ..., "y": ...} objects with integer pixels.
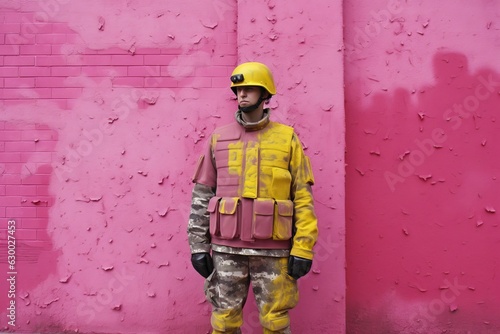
[{"x": 202, "y": 263}]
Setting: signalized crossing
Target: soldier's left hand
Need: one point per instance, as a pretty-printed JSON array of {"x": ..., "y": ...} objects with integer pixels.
[{"x": 298, "y": 267}]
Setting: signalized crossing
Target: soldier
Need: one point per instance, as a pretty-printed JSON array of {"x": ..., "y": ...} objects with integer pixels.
[{"x": 252, "y": 209}]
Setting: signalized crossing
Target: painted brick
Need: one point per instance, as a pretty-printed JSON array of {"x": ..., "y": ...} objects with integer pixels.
[
  {"x": 10, "y": 136},
  {"x": 222, "y": 82},
  {"x": 39, "y": 49},
  {"x": 19, "y": 125},
  {"x": 19, "y": 82},
  {"x": 225, "y": 60},
  {"x": 39, "y": 135},
  {"x": 18, "y": 39},
  {"x": 104, "y": 71},
  {"x": 212, "y": 71},
  {"x": 66, "y": 71},
  {"x": 178, "y": 71},
  {"x": 34, "y": 71},
  {"x": 113, "y": 51},
  {"x": 21, "y": 189},
  {"x": 17, "y": 17},
  {"x": 45, "y": 157},
  {"x": 36, "y": 179},
  {"x": 160, "y": 82},
  {"x": 10, "y": 28},
  {"x": 158, "y": 59},
  {"x": 61, "y": 28},
  {"x": 9, "y": 178},
  {"x": 43, "y": 191},
  {"x": 9, "y": 72},
  {"x": 9, "y": 50},
  {"x": 127, "y": 60},
  {"x": 2, "y": 190},
  {"x": 33, "y": 223},
  {"x": 3, "y": 212},
  {"x": 52, "y": 82},
  {"x": 26, "y": 93},
  {"x": 19, "y": 146},
  {"x": 36, "y": 28},
  {"x": 128, "y": 81},
  {"x": 69, "y": 93},
  {"x": 2, "y": 38},
  {"x": 50, "y": 61},
  {"x": 21, "y": 212},
  {"x": 95, "y": 60},
  {"x": 148, "y": 51},
  {"x": 42, "y": 236},
  {"x": 43, "y": 212},
  {"x": 51, "y": 39},
  {"x": 10, "y": 201},
  {"x": 43, "y": 169},
  {"x": 46, "y": 145},
  {"x": 12, "y": 168},
  {"x": 19, "y": 60},
  {"x": 143, "y": 71},
  {"x": 24, "y": 234}
]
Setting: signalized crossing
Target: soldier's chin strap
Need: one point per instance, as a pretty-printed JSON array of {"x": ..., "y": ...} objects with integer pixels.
[{"x": 253, "y": 106}]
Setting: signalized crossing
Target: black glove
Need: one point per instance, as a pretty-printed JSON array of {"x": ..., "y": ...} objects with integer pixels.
[
  {"x": 202, "y": 263},
  {"x": 298, "y": 267}
]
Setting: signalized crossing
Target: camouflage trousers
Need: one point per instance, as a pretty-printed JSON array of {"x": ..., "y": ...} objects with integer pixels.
[{"x": 227, "y": 288}]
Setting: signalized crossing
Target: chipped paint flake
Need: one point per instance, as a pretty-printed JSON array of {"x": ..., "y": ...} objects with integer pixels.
[
  {"x": 425, "y": 177},
  {"x": 65, "y": 279},
  {"x": 163, "y": 212},
  {"x": 210, "y": 25},
  {"x": 490, "y": 209}
]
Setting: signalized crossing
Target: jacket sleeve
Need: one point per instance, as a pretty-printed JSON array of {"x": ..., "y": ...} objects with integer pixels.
[
  {"x": 305, "y": 221},
  {"x": 199, "y": 220}
]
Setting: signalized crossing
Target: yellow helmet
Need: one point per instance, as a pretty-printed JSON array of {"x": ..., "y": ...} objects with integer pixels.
[{"x": 253, "y": 74}]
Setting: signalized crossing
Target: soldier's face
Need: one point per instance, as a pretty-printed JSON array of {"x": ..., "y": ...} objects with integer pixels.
[{"x": 248, "y": 95}]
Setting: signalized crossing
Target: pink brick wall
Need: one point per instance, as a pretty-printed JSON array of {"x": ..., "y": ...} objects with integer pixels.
[{"x": 105, "y": 107}]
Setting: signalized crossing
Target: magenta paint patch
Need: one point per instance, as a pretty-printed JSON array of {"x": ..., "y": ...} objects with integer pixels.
[{"x": 421, "y": 171}]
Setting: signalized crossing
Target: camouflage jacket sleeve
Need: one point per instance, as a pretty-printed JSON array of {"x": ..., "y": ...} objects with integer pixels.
[
  {"x": 306, "y": 223},
  {"x": 198, "y": 226}
]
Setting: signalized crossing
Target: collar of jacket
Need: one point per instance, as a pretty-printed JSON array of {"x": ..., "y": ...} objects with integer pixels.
[{"x": 256, "y": 125}]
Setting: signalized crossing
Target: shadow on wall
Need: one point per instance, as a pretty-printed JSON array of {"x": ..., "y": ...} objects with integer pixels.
[
  {"x": 422, "y": 200},
  {"x": 25, "y": 175}
]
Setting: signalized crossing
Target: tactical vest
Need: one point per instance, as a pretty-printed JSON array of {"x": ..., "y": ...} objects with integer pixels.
[{"x": 252, "y": 206}]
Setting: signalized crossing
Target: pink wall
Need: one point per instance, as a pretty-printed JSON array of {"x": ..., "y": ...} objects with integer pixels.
[
  {"x": 105, "y": 108},
  {"x": 422, "y": 95}
]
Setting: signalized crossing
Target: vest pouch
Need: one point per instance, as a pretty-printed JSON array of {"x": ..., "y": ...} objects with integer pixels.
[
  {"x": 281, "y": 182},
  {"x": 263, "y": 216},
  {"x": 229, "y": 217},
  {"x": 213, "y": 210},
  {"x": 283, "y": 220}
]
